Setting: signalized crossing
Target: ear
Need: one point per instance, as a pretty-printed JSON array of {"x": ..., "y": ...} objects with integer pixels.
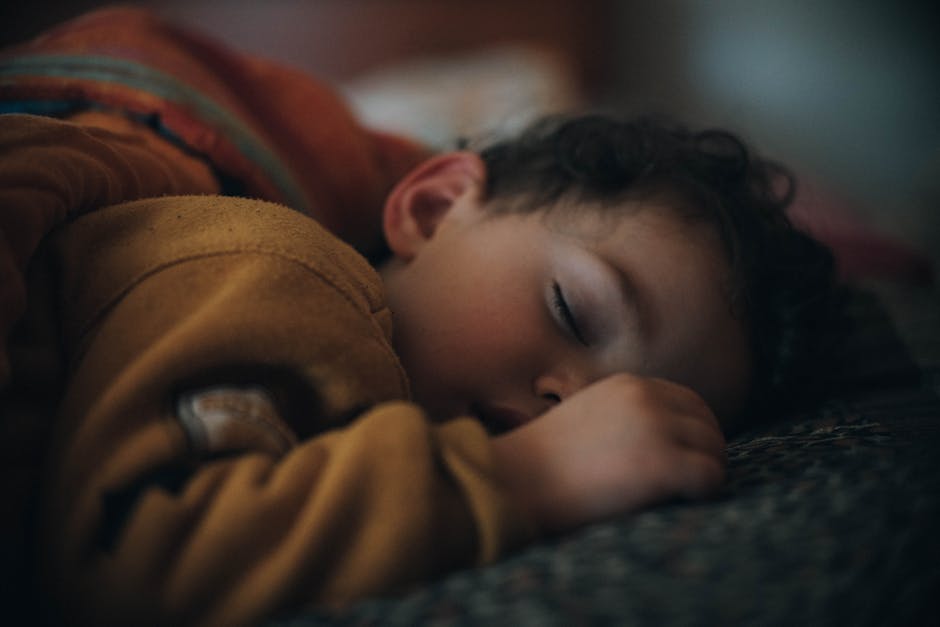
[{"x": 419, "y": 202}]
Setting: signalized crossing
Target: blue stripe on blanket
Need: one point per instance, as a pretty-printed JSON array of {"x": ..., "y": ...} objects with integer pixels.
[{"x": 138, "y": 76}]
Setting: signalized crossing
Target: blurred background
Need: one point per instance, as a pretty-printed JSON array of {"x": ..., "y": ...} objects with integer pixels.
[{"x": 845, "y": 92}]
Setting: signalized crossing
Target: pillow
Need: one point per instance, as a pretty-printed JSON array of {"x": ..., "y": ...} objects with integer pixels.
[{"x": 862, "y": 252}]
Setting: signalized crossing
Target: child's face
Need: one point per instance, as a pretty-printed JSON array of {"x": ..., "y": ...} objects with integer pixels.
[{"x": 504, "y": 316}]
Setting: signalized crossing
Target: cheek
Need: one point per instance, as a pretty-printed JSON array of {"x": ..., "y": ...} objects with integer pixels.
[
  {"x": 492, "y": 335},
  {"x": 491, "y": 326}
]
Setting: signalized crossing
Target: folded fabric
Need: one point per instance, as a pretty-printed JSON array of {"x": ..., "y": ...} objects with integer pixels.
[{"x": 269, "y": 131}]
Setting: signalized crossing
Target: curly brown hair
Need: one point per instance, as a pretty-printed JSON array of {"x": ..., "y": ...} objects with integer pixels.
[{"x": 782, "y": 282}]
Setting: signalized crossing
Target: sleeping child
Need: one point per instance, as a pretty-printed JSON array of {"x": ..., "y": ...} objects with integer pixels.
[{"x": 231, "y": 414}]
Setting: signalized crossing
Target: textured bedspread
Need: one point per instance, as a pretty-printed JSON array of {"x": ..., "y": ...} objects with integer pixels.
[{"x": 830, "y": 517}]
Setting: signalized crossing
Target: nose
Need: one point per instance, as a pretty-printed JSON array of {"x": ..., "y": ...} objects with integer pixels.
[{"x": 555, "y": 387}]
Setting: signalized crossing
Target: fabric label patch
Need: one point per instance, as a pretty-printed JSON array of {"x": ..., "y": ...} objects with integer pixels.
[{"x": 229, "y": 419}]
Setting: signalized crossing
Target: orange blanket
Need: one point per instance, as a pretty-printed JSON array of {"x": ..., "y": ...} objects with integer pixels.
[{"x": 274, "y": 131}]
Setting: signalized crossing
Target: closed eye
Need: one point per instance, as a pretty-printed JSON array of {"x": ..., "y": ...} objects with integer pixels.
[{"x": 564, "y": 314}]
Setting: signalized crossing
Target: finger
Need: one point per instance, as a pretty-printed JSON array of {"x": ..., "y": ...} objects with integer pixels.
[
  {"x": 693, "y": 433},
  {"x": 682, "y": 398},
  {"x": 701, "y": 475}
]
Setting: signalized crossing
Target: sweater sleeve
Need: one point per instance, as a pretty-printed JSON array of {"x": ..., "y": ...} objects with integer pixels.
[
  {"x": 145, "y": 517},
  {"x": 51, "y": 169}
]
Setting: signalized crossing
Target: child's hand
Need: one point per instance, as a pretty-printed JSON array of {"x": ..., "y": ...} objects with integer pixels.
[{"x": 618, "y": 445}]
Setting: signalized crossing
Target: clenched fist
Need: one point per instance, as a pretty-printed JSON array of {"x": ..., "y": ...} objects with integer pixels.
[{"x": 618, "y": 445}]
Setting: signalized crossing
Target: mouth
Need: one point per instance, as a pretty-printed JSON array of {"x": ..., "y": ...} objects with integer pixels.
[{"x": 497, "y": 420}]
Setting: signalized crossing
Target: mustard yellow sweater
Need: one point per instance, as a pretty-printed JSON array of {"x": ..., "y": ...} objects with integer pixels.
[{"x": 230, "y": 437}]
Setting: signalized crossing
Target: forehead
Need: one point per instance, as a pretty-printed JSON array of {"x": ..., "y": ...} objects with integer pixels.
[{"x": 657, "y": 227}]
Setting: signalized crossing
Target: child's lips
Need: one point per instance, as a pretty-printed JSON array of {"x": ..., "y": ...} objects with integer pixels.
[{"x": 498, "y": 419}]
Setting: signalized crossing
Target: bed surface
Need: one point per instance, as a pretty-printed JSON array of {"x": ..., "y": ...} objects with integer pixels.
[{"x": 830, "y": 516}]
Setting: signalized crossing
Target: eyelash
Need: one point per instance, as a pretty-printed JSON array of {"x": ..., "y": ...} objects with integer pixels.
[{"x": 564, "y": 312}]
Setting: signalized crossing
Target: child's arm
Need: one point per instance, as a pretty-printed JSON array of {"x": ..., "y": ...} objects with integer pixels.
[
  {"x": 244, "y": 509},
  {"x": 51, "y": 169},
  {"x": 618, "y": 445}
]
